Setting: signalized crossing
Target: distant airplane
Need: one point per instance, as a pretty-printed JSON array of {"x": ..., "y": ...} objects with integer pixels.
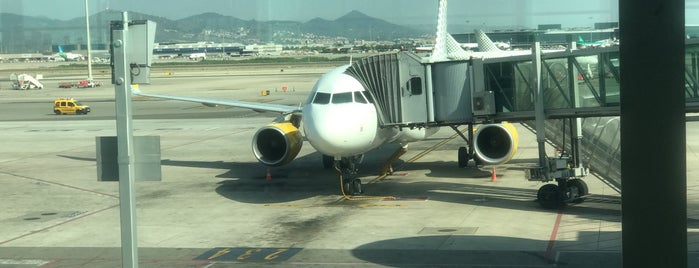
[
  {"x": 68, "y": 55},
  {"x": 599, "y": 43},
  {"x": 198, "y": 56}
]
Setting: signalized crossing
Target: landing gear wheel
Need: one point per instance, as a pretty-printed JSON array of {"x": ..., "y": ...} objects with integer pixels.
[
  {"x": 577, "y": 190},
  {"x": 328, "y": 162},
  {"x": 352, "y": 187},
  {"x": 463, "y": 157},
  {"x": 346, "y": 187},
  {"x": 357, "y": 187},
  {"x": 549, "y": 197}
]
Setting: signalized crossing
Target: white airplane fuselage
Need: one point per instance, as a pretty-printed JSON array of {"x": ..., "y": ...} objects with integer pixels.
[{"x": 340, "y": 121}]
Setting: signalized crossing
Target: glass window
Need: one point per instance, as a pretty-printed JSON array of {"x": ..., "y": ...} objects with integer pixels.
[
  {"x": 342, "y": 98},
  {"x": 322, "y": 98},
  {"x": 415, "y": 86}
]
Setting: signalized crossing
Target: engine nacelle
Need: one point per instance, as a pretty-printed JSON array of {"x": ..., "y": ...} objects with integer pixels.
[
  {"x": 495, "y": 143},
  {"x": 277, "y": 144}
]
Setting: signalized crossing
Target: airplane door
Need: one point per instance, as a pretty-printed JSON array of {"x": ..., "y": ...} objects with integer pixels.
[{"x": 412, "y": 90}]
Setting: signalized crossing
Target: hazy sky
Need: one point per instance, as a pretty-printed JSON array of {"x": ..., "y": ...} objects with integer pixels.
[{"x": 476, "y": 12}]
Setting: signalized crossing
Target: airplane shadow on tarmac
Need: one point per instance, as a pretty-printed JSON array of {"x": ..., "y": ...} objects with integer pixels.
[
  {"x": 305, "y": 178},
  {"x": 444, "y": 251}
]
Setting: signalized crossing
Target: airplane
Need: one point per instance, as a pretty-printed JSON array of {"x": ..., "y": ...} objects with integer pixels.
[
  {"x": 340, "y": 119},
  {"x": 599, "y": 43},
  {"x": 197, "y": 56},
  {"x": 69, "y": 55}
]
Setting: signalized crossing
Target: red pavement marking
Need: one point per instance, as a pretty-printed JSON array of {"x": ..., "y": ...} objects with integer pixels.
[{"x": 554, "y": 232}]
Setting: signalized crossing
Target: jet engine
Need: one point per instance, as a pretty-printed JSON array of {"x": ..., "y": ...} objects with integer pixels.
[
  {"x": 495, "y": 143},
  {"x": 277, "y": 144}
]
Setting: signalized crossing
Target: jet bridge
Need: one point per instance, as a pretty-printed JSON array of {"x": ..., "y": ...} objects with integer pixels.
[{"x": 579, "y": 99}]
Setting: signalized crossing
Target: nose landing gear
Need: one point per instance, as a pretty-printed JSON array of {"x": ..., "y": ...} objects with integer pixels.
[{"x": 348, "y": 168}]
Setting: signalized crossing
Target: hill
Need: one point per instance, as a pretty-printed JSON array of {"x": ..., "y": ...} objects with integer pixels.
[{"x": 21, "y": 32}]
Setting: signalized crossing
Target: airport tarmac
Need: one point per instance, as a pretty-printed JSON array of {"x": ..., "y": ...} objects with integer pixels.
[{"x": 216, "y": 206}]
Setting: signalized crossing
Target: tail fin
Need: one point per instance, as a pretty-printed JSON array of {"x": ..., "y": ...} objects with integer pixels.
[
  {"x": 580, "y": 39},
  {"x": 60, "y": 49},
  {"x": 446, "y": 47},
  {"x": 484, "y": 42}
]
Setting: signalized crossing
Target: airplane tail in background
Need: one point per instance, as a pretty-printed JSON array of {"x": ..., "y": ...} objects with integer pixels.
[
  {"x": 60, "y": 49},
  {"x": 446, "y": 47},
  {"x": 485, "y": 44},
  {"x": 580, "y": 39}
]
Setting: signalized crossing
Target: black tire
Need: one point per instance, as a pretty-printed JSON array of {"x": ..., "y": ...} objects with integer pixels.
[
  {"x": 357, "y": 187},
  {"x": 57, "y": 112},
  {"x": 463, "y": 157},
  {"x": 580, "y": 188},
  {"x": 549, "y": 197},
  {"x": 346, "y": 187}
]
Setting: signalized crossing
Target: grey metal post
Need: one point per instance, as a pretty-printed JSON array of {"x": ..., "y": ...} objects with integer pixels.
[
  {"x": 575, "y": 123},
  {"x": 127, "y": 196},
  {"x": 539, "y": 113},
  {"x": 653, "y": 159},
  {"x": 89, "y": 46},
  {"x": 429, "y": 92}
]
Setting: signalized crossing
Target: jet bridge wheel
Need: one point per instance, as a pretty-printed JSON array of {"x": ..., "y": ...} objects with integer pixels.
[
  {"x": 576, "y": 190},
  {"x": 549, "y": 196}
]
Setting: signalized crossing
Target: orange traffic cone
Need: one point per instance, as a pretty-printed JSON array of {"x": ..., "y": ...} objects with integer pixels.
[
  {"x": 269, "y": 175},
  {"x": 493, "y": 176}
]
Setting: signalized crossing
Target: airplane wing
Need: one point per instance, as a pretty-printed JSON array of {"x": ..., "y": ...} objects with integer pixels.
[{"x": 257, "y": 106}]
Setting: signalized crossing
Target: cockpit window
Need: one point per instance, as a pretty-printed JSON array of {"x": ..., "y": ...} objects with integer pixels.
[
  {"x": 342, "y": 98},
  {"x": 321, "y": 98},
  {"x": 358, "y": 97},
  {"x": 368, "y": 96}
]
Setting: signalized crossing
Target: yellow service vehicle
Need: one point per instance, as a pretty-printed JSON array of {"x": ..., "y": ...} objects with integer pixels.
[{"x": 69, "y": 106}]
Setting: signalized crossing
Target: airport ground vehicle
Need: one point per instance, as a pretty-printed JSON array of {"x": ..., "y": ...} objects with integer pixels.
[
  {"x": 80, "y": 84},
  {"x": 69, "y": 106}
]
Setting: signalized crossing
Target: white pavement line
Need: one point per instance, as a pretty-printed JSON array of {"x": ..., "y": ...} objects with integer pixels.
[{"x": 23, "y": 262}]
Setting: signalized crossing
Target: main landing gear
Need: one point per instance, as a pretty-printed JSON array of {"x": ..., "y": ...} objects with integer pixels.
[{"x": 466, "y": 153}]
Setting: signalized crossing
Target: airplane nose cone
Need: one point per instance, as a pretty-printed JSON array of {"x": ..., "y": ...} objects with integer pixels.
[{"x": 340, "y": 130}]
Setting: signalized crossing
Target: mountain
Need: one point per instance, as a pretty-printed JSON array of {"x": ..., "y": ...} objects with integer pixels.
[
  {"x": 357, "y": 25},
  {"x": 22, "y": 34}
]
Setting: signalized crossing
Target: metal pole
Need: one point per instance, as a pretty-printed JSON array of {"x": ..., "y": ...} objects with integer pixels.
[
  {"x": 127, "y": 196},
  {"x": 539, "y": 113},
  {"x": 89, "y": 47},
  {"x": 575, "y": 123}
]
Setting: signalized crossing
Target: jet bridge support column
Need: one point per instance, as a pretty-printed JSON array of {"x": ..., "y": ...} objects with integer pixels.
[{"x": 566, "y": 173}]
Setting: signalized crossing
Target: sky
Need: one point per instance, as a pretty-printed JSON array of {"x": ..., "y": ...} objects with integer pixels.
[{"x": 488, "y": 13}]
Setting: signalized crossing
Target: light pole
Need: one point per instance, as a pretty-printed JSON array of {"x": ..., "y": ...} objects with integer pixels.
[{"x": 89, "y": 47}]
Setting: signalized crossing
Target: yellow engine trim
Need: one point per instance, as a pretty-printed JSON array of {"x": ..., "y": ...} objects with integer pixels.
[{"x": 292, "y": 140}]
